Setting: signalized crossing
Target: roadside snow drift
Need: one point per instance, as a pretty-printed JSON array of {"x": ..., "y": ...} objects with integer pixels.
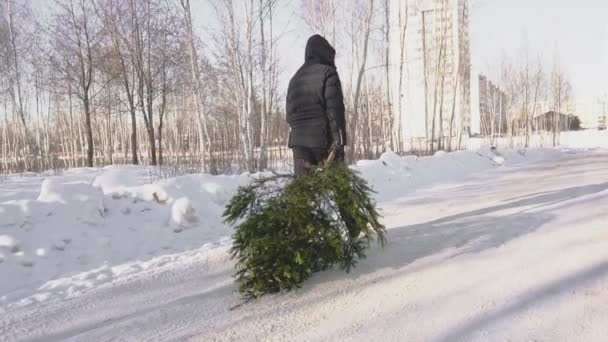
[
  {"x": 482, "y": 245},
  {"x": 96, "y": 218}
]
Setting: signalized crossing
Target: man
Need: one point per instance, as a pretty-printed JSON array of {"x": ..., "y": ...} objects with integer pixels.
[{"x": 315, "y": 108}]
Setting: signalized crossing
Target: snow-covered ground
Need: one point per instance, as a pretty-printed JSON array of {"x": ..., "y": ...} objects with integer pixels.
[
  {"x": 482, "y": 246},
  {"x": 573, "y": 139}
]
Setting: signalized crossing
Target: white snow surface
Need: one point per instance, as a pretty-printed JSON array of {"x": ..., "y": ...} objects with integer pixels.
[{"x": 484, "y": 245}]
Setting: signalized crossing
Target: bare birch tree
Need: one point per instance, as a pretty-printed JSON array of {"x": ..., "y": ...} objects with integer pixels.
[
  {"x": 77, "y": 34},
  {"x": 17, "y": 18},
  {"x": 321, "y": 17},
  {"x": 560, "y": 93},
  {"x": 196, "y": 80},
  {"x": 114, "y": 14},
  {"x": 354, "y": 119}
]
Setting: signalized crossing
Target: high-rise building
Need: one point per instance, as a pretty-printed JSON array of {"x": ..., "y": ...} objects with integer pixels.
[
  {"x": 492, "y": 108},
  {"x": 430, "y": 67},
  {"x": 602, "y": 121}
]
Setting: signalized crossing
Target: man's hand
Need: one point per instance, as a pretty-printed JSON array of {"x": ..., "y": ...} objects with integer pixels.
[
  {"x": 339, "y": 153},
  {"x": 338, "y": 143},
  {"x": 336, "y": 153}
]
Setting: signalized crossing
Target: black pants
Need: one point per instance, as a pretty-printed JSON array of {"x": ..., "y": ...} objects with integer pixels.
[{"x": 304, "y": 158}]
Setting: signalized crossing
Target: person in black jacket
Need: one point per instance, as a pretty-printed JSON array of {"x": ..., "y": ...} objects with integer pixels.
[{"x": 315, "y": 107}]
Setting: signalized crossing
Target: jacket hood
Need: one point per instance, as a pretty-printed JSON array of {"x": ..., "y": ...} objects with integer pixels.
[{"x": 318, "y": 50}]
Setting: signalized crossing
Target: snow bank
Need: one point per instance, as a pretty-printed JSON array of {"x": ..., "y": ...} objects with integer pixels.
[
  {"x": 86, "y": 218},
  {"x": 77, "y": 200},
  {"x": 182, "y": 212},
  {"x": 511, "y": 253},
  {"x": 590, "y": 139},
  {"x": 587, "y": 139},
  {"x": 392, "y": 176},
  {"x": 116, "y": 180}
]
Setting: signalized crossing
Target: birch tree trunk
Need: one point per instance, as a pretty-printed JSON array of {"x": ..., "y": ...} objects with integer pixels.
[{"x": 360, "y": 74}]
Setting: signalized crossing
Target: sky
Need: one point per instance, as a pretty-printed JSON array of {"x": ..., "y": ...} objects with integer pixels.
[{"x": 575, "y": 30}]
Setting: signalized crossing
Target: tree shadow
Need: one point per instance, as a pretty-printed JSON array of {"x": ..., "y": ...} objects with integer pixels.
[
  {"x": 405, "y": 247},
  {"x": 532, "y": 297},
  {"x": 536, "y": 201},
  {"x": 469, "y": 232},
  {"x": 573, "y": 192},
  {"x": 446, "y": 237}
]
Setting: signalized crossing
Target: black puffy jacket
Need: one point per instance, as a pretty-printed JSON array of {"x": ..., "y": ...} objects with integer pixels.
[{"x": 315, "y": 105}]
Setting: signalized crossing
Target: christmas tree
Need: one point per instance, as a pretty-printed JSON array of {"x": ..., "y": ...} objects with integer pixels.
[{"x": 289, "y": 227}]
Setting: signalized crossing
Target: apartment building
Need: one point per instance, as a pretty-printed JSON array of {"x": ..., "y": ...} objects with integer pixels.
[
  {"x": 430, "y": 68},
  {"x": 492, "y": 102}
]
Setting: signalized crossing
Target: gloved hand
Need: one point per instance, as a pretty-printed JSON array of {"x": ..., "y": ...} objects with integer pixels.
[
  {"x": 337, "y": 137},
  {"x": 336, "y": 153},
  {"x": 339, "y": 153}
]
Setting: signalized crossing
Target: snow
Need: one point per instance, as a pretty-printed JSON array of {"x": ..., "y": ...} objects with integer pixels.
[
  {"x": 182, "y": 212},
  {"x": 85, "y": 218},
  {"x": 483, "y": 245},
  {"x": 585, "y": 139},
  {"x": 116, "y": 180},
  {"x": 9, "y": 243}
]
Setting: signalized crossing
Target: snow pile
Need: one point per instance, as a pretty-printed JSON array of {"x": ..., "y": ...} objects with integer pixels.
[
  {"x": 510, "y": 253},
  {"x": 75, "y": 285},
  {"x": 587, "y": 139},
  {"x": 182, "y": 212},
  {"x": 116, "y": 180},
  {"x": 86, "y": 218},
  {"x": 393, "y": 176},
  {"x": 9, "y": 244},
  {"x": 590, "y": 139},
  {"x": 72, "y": 200}
]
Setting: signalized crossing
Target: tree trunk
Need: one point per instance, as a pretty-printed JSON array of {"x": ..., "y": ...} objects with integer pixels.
[
  {"x": 399, "y": 133},
  {"x": 89, "y": 130},
  {"x": 205, "y": 142},
  {"x": 360, "y": 74},
  {"x": 392, "y": 142}
]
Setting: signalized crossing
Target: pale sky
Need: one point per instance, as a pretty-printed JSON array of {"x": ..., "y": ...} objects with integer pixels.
[{"x": 578, "y": 29}]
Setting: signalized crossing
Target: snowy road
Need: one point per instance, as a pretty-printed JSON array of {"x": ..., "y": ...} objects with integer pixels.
[{"x": 518, "y": 253}]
